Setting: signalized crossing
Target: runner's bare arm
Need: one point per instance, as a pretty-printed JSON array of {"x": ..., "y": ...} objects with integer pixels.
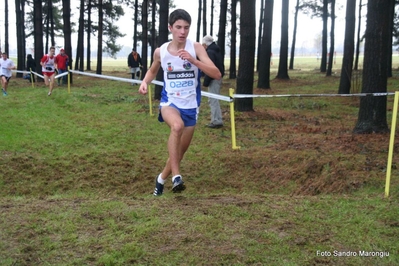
[
  {"x": 151, "y": 73},
  {"x": 204, "y": 63}
]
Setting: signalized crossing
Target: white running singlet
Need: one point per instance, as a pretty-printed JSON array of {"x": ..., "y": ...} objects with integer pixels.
[
  {"x": 48, "y": 64},
  {"x": 4, "y": 65},
  {"x": 182, "y": 85}
]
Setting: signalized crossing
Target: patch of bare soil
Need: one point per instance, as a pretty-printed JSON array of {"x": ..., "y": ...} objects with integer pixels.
[{"x": 307, "y": 154}]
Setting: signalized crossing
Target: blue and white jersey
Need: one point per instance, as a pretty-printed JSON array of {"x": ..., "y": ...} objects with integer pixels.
[{"x": 182, "y": 85}]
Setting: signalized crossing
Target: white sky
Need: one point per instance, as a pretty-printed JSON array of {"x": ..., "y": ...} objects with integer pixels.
[{"x": 308, "y": 29}]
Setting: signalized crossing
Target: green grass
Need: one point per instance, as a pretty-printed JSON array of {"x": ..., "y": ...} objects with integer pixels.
[{"x": 77, "y": 171}]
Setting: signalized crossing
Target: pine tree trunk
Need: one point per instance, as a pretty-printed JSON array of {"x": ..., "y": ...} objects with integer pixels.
[
  {"x": 38, "y": 35},
  {"x": 349, "y": 46},
  {"x": 199, "y": 20},
  {"x": 283, "y": 64},
  {"x": 323, "y": 66},
  {"x": 66, "y": 15},
  {"x": 88, "y": 37},
  {"x": 204, "y": 21},
  {"x": 162, "y": 38},
  {"x": 372, "y": 110},
  {"x": 332, "y": 40},
  {"x": 100, "y": 37},
  {"x": 294, "y": 36},
  {"x": 222, "y": 27},
  {"x": 79, "y": 48},
  {"x": 245, "y": 79},
  {"x": 233, "y": 34},
  {"x": 357, "y": 52},
  {"x": 21, "y": 43},
  {"x": 144, "y": 52},
  {"x": 266, "y": 48}
]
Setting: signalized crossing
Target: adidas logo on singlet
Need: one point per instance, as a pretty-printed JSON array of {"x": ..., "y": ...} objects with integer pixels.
[{"x": 181, "y": 75}]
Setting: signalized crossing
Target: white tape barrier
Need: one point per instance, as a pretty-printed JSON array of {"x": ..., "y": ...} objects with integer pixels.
[
  {"x": 28, "y": 72},
  {"x": 21, "y": 71},
  {"x": 61, "y": 75},
  {"x": 38, "y": 75},
  {"x": 230, "y": 99},
  {"x": 313, "y": 95},
  {"x": 218, "y": 96},
  {"x": 156, "y": 82},
  {"x": 106, "y": 77}
]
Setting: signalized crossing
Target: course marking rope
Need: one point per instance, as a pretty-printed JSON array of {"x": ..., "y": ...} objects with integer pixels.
[
  {"x": 106, "y": 77},
  {"x": 312, "y": 95},
  {"x": 28, "y": 72}
]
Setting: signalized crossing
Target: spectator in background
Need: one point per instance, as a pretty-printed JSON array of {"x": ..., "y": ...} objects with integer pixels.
[
  {"x": 30, "y": 66},
  {"x": 214, "y": 85},
  {"x": 61, "y": 61},
  {"x": 134, "y": 64},
  {"x": 6, "y": 65}
]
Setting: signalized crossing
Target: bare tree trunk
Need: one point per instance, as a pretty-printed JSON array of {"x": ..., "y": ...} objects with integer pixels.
[
  {"x": 245, "y": 78},
  {"x": 323, "y": 66},
  {"x": 6, "y": 34},
  {"x": 163, "y": 38},
  {"x": 88, "y": 37},
  {"x": 100, "y": 37},
  {"x": 51, "y": 18},
  {"x": 136, "y": 12},
  {"x": 153, "y": 30},
  {"x": 48, "y": 27},
  {"x": 21, "y": 43},
  {"x": 212, "y": 13},
  {"x": 294, "y": 35},
  {"x": 332, "y": 40},
  {"x": 144, "y": 52},
  {"x": 79, "y": 48},
  {"x": 233, "y": 47},
  {"x": 260, "y": 30},
  {"x": 283, "y": 64},
  {"x": 66, "y": 15},
  {"x": 38, "y": 35},
  {"x": 199, "y": 20},
  {"x": 266, "y": 48},
  {"x": 349, "y": 43},
  {"x": 222, "y": 26},
  {"x": 391, "y": 28},
  {"x": 204, "y": 21},
  {"x": 356, "y": 64},
  {"x": 373, "y": 110}
]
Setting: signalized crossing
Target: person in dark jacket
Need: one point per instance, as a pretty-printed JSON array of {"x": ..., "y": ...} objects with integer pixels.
[
  {"x": 214, "y": 85},
  {"x": 30, "y": 66},
  {"x": 134, "y": 64}
]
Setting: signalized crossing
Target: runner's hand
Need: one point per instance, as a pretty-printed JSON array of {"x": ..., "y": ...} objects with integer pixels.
[{"x": 143, "y": 88}]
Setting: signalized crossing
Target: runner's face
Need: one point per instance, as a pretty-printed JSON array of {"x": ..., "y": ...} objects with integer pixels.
[
  {"x": 4, "y": 56},
  {"x": 180, "y": 30},
  {"x": 52, "y": 51}
]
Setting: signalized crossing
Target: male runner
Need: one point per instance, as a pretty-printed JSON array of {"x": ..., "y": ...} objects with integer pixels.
[
  {"x": 48, "y": 68},
  {"x": 181, "y": 94},
  {"x": 6, "y": 65}
]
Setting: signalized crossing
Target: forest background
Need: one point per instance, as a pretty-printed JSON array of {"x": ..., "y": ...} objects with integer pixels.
[
  {"x": 253, "y": 42},
  {"x": 308, "y": 35}
]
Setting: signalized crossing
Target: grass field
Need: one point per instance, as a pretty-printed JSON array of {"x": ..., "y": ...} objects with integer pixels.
[{"x": 77, "y": 174}]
